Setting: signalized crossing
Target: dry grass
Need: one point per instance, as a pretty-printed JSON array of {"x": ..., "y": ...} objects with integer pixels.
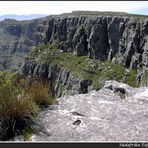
[
  {"x": 38, "y": 91},
  {"x": 15, "y": 116},
  {"x": 16, "y": 112},
  {"x": 20, "y": 100}
]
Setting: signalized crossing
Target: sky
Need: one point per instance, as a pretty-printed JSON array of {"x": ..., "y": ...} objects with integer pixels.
[{"x": 58, "y": 7}]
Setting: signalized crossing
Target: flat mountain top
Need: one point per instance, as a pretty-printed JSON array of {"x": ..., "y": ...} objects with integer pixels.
[
  {"x": 103, "y": 13},
  {"x": 22, "y": 18}
]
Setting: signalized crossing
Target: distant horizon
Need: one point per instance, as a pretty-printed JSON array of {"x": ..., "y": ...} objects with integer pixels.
[
  {"x": 68, "y": 12},
  {"x": 59, "y": 7},
  {"x": 21, "y": 17},
  {"x": 38, "y": 15}
]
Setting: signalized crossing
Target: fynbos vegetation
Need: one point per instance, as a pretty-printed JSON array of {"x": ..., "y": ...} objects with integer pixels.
[
  {"x": 84, "y": 67},
  {"x": 20, "y": 102}
]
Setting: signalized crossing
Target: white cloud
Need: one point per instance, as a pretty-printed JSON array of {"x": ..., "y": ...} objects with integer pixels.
[{"x": 58, "y": 7}]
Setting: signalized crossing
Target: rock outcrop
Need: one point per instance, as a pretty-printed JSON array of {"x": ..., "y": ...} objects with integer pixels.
[
  {"x": 96, "y": 116},
  {"x": 61, "y": 81},
  {"x": 122, "y": 39}
]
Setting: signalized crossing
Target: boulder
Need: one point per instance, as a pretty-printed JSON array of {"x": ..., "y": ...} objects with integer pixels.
[{"x": 118, "y": 87}]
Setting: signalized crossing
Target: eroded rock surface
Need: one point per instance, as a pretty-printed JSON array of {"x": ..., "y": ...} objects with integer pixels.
[{"x": 97, "y": 116}]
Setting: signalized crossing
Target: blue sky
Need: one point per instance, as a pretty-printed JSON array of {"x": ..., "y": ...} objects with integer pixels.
[
  {"x": 58, "y": 7},
  {"x": 141, "y": 11}
]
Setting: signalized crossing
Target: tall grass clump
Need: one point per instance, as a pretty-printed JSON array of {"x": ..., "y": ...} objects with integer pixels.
[
  {"x": 20, "y": 101},
  {"x": 38, "y": 90},
  {"x": 16, "y": 109}
]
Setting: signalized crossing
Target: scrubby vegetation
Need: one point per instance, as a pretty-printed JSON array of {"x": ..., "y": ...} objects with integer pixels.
[
  {"x": 20, "y": 101},
  {"x": 83, "y": 67},
  {"x": 37, "y": 88}
]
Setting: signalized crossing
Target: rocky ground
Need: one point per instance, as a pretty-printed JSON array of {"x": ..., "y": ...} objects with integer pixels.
[{"x": 117, "y": 112}]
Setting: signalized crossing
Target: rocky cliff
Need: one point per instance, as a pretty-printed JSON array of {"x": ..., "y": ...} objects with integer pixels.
[
  {"x": 121, "y": 38},
  {"x": 17, "y": 38},
  {"x": 61, "y": 81}
]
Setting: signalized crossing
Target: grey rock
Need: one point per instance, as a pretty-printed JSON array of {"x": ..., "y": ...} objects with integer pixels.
[
  {"x": 121, "y": 90},
  {"x": 77, "y": 122},
  {"x": 84, "y": 86},
  {"x": 53, "y": 72},
  {"x": 17, "y": 38},
  {"x": 98, "y": 46},
  {"x": 61, "y": 81},
  {"x": 27, "y": 68},
  {"x": 80, "y": 42},
  {"x": 17, "y": 139},
  {"x": 76, "y": 113},
  {"x": 107, "y": 117},
  {"x": 118, "y": 87},
  {"x": 41, "y": 70}
]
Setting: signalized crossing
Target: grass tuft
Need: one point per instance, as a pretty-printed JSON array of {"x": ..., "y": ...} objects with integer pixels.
[
  {"x": 38, "y": 90},
  {"x": 20, "y": 102}
]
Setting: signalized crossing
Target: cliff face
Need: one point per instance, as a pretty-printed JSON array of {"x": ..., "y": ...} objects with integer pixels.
[
  {"x": 120, "y": 39},
  {"x": 61, "y": 81},
  {"x": 17, "y": 38},
  {"x": 123, "y": 40}
]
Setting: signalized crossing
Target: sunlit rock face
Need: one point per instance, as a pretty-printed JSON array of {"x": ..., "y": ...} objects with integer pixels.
[{"x": 104, "y": 115}]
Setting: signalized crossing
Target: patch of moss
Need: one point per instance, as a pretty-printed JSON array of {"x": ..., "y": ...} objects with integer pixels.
[{"x": 131, "y": 78}]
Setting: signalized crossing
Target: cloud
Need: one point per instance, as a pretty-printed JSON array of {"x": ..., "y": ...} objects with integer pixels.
[{"x": 58, "y": 7}]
